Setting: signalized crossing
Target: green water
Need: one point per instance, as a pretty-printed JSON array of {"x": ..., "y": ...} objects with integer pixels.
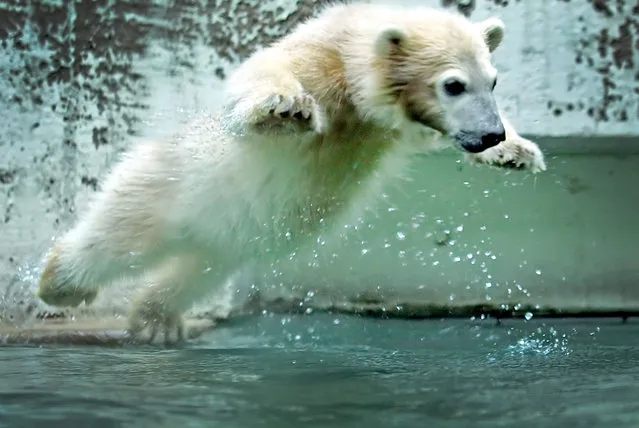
[{"x": 328, "y": 371}]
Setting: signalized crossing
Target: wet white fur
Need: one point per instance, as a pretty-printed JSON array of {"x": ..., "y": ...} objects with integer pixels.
[{"x": 192, "y": 210}]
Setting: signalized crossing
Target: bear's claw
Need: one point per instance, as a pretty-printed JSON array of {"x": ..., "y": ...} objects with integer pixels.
[
  {"x": 148, "y": 317},
  {"x": 297, "y": 111}
]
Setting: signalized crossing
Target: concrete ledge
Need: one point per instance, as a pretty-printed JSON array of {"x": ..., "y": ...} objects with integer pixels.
[
  {"x": 620, "y": 145},
  {"x": 592, "y": 145}
]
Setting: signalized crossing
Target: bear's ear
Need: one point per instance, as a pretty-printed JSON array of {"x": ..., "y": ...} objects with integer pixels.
[
  {"x": 493, "y": 31},
  {"x": 389, "y": 39}
]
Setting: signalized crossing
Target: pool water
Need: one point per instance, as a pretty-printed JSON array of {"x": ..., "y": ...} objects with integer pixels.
[{"x": 336, "y": 371}]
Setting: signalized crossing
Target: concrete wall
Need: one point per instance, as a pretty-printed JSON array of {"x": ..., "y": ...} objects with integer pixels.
[{"x": 80, "y": 81}]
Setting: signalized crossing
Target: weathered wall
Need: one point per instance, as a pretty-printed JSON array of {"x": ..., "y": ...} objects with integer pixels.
[
  {"x": 565, "y": 239},
  {"x": 82, "y": 80}
]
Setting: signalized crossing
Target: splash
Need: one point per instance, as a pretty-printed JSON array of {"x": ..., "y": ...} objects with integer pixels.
[{"x": 542, "y": 342}]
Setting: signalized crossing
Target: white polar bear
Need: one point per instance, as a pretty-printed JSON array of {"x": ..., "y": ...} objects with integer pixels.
[{"x": 312, "y": 126}]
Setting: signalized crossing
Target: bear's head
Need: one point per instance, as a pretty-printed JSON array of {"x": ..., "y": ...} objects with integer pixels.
[{"x": 436, "y": 68}]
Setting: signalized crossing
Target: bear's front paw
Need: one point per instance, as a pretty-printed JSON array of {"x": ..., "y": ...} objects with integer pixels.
[
  {"x": 516, "y": 153},
  {"x": 296, "y": 112},
  {"x": 152, "y": 317}
]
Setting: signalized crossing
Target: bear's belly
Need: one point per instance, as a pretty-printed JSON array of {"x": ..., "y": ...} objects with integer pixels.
[
  {"x": 267, "y": 198},
  {"x": 268, "y": 229}
]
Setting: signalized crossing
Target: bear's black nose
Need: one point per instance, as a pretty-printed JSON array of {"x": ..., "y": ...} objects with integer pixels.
[{"x": 492, "y": 139}]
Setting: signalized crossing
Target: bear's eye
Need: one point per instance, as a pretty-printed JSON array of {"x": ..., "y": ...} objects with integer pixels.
[
  {"x": 494, "y": 84},
  {"x": 454, "y": 87}
]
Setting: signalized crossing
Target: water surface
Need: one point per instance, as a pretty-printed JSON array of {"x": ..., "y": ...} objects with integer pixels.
[{"x": 335, "y": 371}]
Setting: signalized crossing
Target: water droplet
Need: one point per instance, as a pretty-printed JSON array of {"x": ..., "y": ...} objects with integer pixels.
[{"x": 528, "y": 316}]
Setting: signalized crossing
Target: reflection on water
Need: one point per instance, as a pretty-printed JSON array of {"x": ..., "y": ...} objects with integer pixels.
[{"x": 321, "y": 370}]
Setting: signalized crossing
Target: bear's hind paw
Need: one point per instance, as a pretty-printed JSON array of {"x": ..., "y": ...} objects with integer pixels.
[
  {"x": 66, "y": 297},
  {"x": 55, "y": 290}
]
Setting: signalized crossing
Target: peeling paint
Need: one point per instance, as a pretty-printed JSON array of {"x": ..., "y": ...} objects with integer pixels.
[
  {"x": 610, "y": 48},
  {"x": 7, "y": 176}
]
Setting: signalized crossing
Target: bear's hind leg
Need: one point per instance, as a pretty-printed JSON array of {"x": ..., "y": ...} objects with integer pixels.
[
  {"x": 123, "y": 233},
  {"x": 85, "y": 260}
]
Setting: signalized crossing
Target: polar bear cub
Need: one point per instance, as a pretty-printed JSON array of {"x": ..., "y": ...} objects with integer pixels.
[{"x": 311, "y": 128}]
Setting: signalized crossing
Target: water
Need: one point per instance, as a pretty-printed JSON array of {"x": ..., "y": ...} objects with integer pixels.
[{"x": 328, "y": 371}]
